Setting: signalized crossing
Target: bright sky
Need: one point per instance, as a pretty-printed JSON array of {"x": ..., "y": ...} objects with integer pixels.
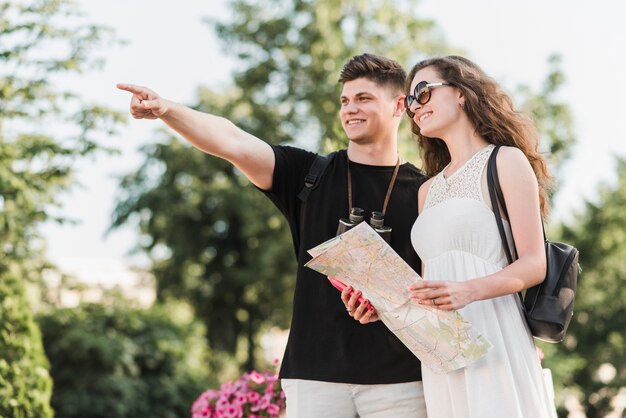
[{"x": 172, "y": 51}]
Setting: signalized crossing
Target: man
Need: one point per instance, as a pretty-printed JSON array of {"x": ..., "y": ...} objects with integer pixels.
[{"x": 334, "y": 365}]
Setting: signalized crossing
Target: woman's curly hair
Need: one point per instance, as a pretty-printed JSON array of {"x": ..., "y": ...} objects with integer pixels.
[{"x": 492, "y": 113}]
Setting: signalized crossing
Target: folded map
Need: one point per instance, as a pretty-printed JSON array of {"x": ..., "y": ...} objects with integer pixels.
[{"x": 360, "y": 258}]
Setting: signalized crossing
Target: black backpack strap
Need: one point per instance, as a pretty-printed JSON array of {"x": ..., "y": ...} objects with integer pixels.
[
  {"x": 496, "y": 195},
  {"x": 314, "y": 176}
]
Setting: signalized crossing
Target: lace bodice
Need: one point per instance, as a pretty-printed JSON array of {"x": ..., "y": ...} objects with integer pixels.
[{"x": 466, "y": 182}]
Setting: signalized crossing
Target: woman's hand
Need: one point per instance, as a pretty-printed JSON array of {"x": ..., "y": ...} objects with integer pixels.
[
  {"x": 361, "y": 311},
  {"x": 447, "y": 296}
]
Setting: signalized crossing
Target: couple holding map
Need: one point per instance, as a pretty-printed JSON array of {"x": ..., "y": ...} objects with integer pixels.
[{"x": 340, "y": 367}]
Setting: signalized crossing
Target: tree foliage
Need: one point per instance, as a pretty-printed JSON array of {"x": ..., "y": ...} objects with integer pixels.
[
  {"x": 213, "y": 241},
  {"x": 116, "y": 362},
  {"x": 591, "y": 363},
  {"x": 292, "y": 52},
  {"x": 39, "y": 41},
  {"x": 25, "y": 385},
  {"x": 553, "y": 117}
]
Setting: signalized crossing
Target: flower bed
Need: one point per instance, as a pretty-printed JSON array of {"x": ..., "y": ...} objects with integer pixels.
[{"x": 253, "y": 395}]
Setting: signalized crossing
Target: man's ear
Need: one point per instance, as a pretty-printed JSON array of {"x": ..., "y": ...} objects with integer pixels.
[{"x": 399, "y": 105}]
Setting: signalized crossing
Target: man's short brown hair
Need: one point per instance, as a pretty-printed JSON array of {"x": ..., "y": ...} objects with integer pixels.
[{"x": 381, "y": 70}]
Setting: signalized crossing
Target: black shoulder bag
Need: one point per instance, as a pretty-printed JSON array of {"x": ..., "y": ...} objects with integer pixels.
[{"x": 548, "y": 306}]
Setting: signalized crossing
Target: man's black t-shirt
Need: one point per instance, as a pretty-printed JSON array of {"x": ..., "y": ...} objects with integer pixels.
[{"x": 325, "y": 343}]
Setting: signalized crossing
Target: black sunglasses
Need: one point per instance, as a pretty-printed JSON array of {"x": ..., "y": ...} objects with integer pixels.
[{"x": 421, "y": 94}]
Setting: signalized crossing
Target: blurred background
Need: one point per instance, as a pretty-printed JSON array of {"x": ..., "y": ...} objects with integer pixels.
[{"x": 136, "y": 272}]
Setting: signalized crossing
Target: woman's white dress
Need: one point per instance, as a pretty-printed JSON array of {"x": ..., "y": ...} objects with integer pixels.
[{"x": 457, "y": 238}]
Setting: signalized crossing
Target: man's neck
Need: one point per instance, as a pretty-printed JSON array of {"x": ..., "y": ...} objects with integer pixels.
[{"x": 381, "y": 154}]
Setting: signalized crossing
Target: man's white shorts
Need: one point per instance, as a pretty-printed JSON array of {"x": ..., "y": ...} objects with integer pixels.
[{"x": 315, "y": 399}]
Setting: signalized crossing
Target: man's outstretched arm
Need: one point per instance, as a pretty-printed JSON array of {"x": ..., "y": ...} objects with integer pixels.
[{"x": 212, "y": 134}]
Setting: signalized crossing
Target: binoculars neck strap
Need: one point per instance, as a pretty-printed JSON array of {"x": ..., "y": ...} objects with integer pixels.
[{"x": 389, "y": 189}]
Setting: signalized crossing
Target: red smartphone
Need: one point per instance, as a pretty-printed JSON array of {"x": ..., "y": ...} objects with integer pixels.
[{"x": 339, "y": 285}]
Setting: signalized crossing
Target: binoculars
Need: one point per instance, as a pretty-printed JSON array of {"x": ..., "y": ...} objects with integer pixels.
[{"x": 356, "y": 216}]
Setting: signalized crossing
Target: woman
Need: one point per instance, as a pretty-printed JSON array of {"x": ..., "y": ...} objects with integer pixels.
[{"x": 458, "y": 113}]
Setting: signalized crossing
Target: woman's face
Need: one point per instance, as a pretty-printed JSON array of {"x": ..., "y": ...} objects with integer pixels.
[{"x": 442, "y": 111}]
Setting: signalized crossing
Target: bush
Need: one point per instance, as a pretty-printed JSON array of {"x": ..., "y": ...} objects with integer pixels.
[
  {"x": 25, "y": 385},
  {"x": 117, "y": 362}
]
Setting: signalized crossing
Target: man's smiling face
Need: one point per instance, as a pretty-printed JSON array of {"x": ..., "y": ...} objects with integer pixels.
[{"x": 367, "y": 111}]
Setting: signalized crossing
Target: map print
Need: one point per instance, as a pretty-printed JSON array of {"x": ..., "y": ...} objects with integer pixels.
[{"x": 442, "y": 340}]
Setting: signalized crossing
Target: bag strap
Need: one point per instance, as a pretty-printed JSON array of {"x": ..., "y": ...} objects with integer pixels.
[
  {"x": 496, "y": 195},
  {"x": 495, "y": 192},
  {"x": 493, "y": 183},
  {"x": 313, "y": 177}
]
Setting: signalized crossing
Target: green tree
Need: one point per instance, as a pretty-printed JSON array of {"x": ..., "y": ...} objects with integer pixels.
[
  {"x": 213, "y": 242},
  {"x": 591, "y": 363},
  {"x": 39, "y": 40},
  {"x": 25, "y": 385},
  {"x": 553, "y": 117},
  {"x": 114, "y": 361},
  {"x": 292, "y": 52}
]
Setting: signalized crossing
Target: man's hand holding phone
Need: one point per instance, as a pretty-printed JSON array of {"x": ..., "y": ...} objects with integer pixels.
[{"x": 357, "y": 306}]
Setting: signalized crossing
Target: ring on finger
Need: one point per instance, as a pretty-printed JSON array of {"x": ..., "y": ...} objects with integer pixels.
[{"x": 434, "y": 302}]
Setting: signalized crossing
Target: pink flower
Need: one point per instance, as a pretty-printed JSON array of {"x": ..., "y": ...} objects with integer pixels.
[
  {"x": 227, "y": 388},
  {"x": 232, "y": 411},
  {"x": 202, "y": 407},
  {"x": 222, "y": 403},
  {"x": 240, "y": 399},
  {"x": 257, "y": 377},
  {"x": 212, "y": 394},
  {"x": 262, "y": 404},
  {"x": 240, "y": 385},
  {"x": 254, "y": 397},
  {"x": 200, "y": 404},
  {"x": 273, "y": 410}
]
